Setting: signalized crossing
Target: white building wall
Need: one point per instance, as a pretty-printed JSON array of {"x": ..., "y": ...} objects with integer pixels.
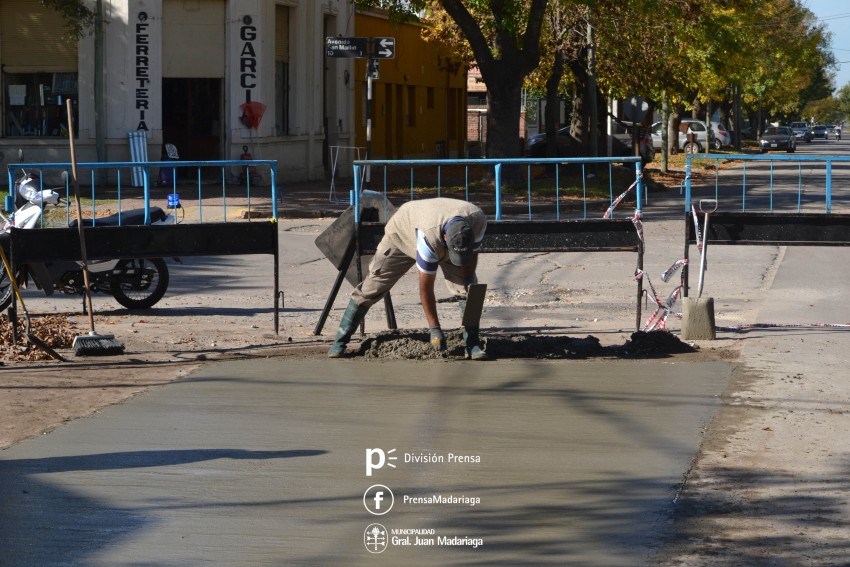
[{"x": 133, "y": 62}]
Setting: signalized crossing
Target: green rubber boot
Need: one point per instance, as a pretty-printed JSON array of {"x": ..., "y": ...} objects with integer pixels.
[
  {"x": 474, "y": 348},
  {"x": 352, "y": 317}
]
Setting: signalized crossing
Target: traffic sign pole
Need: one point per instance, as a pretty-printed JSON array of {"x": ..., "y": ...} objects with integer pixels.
[
  {"x": 368, "y": 112},
  {"x": 372, "y": 48}
]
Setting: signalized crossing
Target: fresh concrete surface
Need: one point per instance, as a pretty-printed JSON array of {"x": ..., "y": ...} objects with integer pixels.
[{"x": 264, "y": 463}]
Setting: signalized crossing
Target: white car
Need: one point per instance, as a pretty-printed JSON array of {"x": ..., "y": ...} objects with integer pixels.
[
  {"x": 699, "y": 129},
  {"x": 722, "y": 136}
]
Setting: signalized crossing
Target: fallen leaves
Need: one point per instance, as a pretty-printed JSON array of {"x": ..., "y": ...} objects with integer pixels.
[{"x": 56, "y": 331}]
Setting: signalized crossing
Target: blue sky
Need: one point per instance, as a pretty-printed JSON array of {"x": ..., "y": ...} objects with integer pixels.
[{"x": 836, "y": 15}]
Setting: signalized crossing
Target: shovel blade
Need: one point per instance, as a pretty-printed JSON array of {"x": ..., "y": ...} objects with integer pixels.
[{"x": 698, "y": 319}]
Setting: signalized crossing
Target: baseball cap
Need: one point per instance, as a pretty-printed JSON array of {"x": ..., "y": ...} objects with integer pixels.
[{"x": 460, "y": 241}]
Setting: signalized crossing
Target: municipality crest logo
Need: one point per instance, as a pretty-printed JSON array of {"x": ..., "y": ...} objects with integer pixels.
[{"x": 375, "y": 538}]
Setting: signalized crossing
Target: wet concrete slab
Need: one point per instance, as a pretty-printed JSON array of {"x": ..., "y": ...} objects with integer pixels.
[{"x": 264, "y": 462}]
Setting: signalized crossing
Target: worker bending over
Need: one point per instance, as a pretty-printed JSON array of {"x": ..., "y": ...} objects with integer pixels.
[{"x": 430, "y": 233}]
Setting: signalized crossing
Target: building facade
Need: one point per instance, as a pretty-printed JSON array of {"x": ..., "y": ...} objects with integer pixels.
[
  {"x": 419, "y": 98},
  {"x": 212, "y": 77}
]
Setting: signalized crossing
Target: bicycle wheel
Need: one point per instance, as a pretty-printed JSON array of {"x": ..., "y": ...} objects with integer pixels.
[{"x": 139, "y": 283}]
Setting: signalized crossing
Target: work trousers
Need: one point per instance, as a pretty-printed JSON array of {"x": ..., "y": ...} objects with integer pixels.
[{"x": 390, "y": 264}]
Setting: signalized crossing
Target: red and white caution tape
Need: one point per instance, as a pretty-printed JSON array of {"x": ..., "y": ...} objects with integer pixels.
[
  {"x": 665, "y": 277},
  {"x": 696, "y": 228},
  {"x": 638, "y": 225},
  {"x": 618, "y": 200},
  {"x": 741, "y": 328},
  {"x": 658, "y": 319}
]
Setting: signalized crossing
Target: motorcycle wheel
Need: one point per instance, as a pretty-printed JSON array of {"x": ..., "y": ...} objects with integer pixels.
[
  {"x": 139, "y": 283},
  {"x": 6, "y": 289}
]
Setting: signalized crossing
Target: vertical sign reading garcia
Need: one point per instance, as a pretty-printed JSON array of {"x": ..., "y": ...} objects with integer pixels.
[
  {"x": 142, "y": 67},
  {"x": 248, "y": 71}
]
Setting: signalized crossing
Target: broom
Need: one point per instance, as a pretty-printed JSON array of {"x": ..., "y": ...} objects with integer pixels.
[{"x": 91, "y": 344}]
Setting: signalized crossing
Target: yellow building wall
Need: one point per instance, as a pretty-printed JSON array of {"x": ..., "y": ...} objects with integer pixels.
[{"x": 419, "y": 100}]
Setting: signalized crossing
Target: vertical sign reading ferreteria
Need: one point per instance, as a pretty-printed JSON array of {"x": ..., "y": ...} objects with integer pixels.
[{"x": 142, "y": 68}]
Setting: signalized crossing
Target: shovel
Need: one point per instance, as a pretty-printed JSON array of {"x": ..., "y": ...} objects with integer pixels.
[
  {"x": 706, "y": 206},
  {"x": 698, "y": 314}
]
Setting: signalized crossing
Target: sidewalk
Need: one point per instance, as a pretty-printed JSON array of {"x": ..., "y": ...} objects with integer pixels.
[{"x": 311, "y": 199}]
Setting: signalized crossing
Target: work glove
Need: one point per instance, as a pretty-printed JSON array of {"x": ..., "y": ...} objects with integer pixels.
[{"x": 438, "y": 339}]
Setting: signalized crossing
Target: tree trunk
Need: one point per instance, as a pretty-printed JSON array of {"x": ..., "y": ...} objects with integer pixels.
[
  {"x": 504, "y": 102},
  {"x": 504, "y": 59},
  {"x": 673, "y": 129},
  {"x": 665, "y": 133},
  {"x": 580, "y": 117},
  {"x": 552, "y": 115}
]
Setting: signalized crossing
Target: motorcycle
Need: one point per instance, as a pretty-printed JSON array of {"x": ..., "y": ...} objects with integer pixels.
[{"x": 135, "y": 283}]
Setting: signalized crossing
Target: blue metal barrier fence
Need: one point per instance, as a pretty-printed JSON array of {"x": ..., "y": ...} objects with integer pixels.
[
  {"x": 498, "y": 165},
  {"x": 122, "y": 170},
  {"x": 794, "y": 189}
]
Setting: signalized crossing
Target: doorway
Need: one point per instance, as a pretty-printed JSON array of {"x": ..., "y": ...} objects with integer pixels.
[{"x": 191, "y": 117}]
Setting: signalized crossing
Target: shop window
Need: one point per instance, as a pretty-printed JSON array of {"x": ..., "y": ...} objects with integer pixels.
[
  {"x": 39, "y": 69},
  {"x": 35, "y": 103}
]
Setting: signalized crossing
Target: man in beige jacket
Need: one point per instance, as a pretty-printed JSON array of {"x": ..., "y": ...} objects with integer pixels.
[{"x": 429, "y": 233}]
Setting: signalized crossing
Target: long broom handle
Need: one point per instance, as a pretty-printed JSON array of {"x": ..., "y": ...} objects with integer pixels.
[{"x": 79, "y": 215}]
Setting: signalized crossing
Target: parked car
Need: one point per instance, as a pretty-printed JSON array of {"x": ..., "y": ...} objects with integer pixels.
[
  {"x": 802, "y": 131},
  {"x": 722, "y": 136},
  {"x": 702, "y": 134},
  {"x": 778, "y": 138},
  {"x": 819, "y": 131},
  {"x": 568, "y": 147},
  {"x": 834, "y": 131}
]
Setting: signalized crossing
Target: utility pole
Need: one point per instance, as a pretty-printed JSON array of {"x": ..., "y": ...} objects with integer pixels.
[
  {"x": 591, "y": 90},
  {"x": 372, "y": 67},
  {"x": 99, "y": 110}
]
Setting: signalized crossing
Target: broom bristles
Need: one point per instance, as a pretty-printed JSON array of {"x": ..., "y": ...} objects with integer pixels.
[{"x": 97, "y": 345}]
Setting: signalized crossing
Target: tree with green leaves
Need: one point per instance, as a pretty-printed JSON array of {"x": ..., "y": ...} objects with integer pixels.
[
  {"x": 843, "y": 102},
  {"x": 504, "y": 40}
]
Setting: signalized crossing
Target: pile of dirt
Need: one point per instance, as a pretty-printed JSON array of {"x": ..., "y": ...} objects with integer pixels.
[
  {"x": 56, "y": 331},
  {"x": 654, "y": 344},
  {"x": 415, "y": 345}
]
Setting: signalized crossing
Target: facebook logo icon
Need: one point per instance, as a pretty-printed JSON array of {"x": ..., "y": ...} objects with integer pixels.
[{"x": 378, "y": 499}]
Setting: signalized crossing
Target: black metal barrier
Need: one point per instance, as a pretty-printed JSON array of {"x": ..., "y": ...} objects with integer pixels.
[
  {"x": 768, "y": 229},
  {"x": 160, "y": 241},
  {"x": 594, "y": 235}
]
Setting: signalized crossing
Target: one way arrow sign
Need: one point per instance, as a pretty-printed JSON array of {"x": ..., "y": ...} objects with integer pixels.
[{"x": 383, "y": 47}]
